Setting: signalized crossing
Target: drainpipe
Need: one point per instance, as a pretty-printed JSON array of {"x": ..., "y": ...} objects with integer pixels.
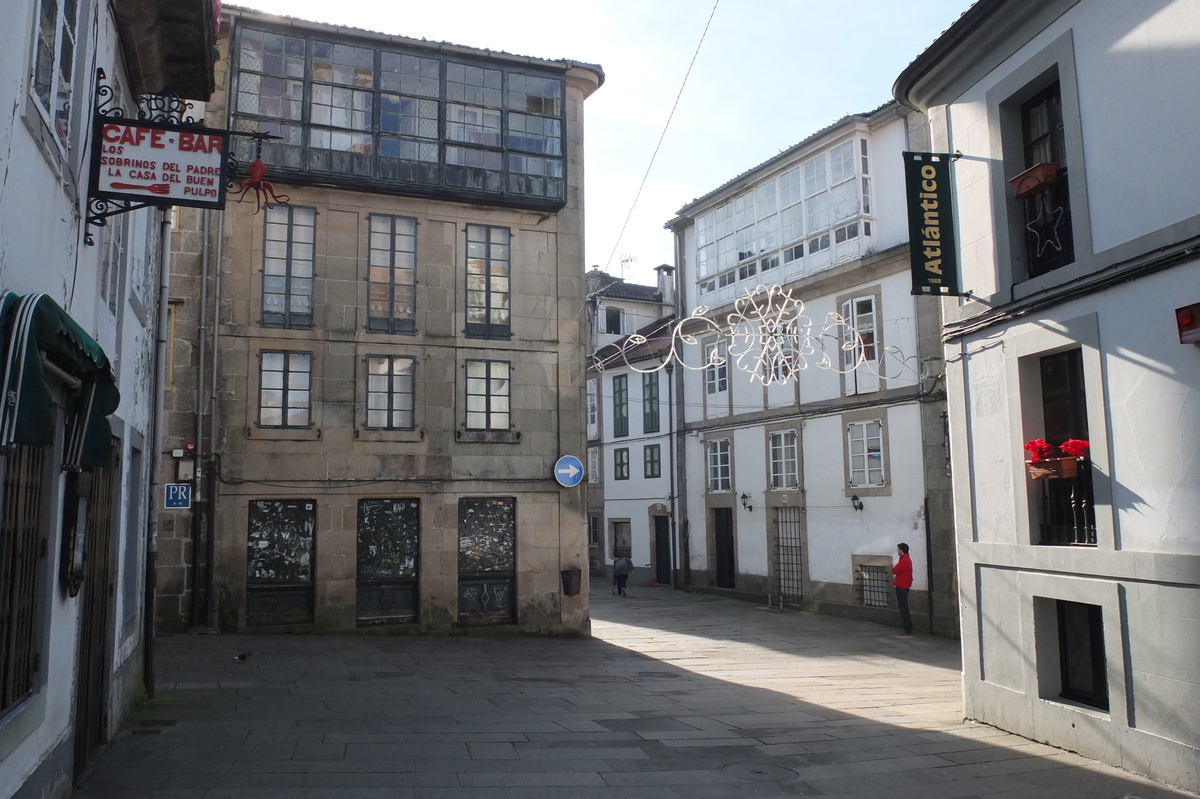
[
  {"x": 160, "y": 392},
  {"x": 674, "y": 493},
  {"x": 679, "y": 440},
  {"x": 210, "y": 594},
  {"x": 213, "y": 410},
  {"x": 929, "y": 564},
  {"x": 198, "y": 477}
]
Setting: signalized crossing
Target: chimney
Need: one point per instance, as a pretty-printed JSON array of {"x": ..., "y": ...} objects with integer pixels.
[{"x": 666, "y": 283}]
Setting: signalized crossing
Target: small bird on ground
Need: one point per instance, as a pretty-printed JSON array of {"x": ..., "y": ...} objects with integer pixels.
[{"x": 242, "y": 658}]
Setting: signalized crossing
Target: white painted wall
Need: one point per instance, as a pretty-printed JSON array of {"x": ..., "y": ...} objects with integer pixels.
[
  {"x": 42, "y": 250},
  {"x": 1136, "y": 68},
  {"x": 835, "y": 530}
]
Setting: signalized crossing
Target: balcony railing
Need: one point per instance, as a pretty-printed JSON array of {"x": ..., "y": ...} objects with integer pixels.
[{"x": 1067, "y": 516}]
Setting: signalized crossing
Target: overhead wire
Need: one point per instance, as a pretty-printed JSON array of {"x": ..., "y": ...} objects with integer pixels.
[{"x": 658, "y": 146}]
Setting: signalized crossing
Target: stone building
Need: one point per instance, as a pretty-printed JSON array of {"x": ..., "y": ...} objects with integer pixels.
[
  {"x": 79, "y": 321},
  {"x": 795, "y": 482},
  {"x": 389, "y": 363},
  {"x": 1078, "y": 231}
]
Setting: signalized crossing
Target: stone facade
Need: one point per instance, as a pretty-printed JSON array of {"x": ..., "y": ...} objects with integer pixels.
[{"x": 330, "y": 470}]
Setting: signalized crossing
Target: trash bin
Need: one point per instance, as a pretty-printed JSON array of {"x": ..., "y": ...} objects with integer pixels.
[{"x": 572, "y": 579}]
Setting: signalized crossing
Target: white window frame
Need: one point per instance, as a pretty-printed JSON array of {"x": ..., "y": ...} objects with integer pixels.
[
  {"x": 860, "y": 357},
  {"x": 785, "y": 464},
  {"x": 494, "y": 386},
  {"x": 720, "y": 475},
  {"x": 864, "y": 452},
  {"x": 393, "y": 390},
  {"x": 60, "y": 88},
  {"x": 593, "y": 464},
  {"x": 716, "y": 374},
  {"x": 593, "y": 409},
  {"x": 293, "y": 392}
]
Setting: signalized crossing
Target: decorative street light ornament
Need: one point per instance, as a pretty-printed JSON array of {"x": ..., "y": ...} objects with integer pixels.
[{"x": 768, "y": 336}]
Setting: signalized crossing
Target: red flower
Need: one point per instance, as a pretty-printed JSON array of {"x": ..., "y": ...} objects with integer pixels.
[
  {"x": 1038, "y": 449},
  {"x": 1074, "y": 447}
]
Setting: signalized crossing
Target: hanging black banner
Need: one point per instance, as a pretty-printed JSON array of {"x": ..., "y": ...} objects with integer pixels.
[{"x": 931, "y": 240}]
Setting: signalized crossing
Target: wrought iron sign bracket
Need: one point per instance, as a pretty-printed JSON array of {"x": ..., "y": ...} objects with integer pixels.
[{"x": 157, "y": 112}]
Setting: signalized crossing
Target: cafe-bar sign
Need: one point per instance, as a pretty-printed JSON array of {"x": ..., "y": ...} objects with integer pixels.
[
  {"x": 158, "y": 163},
  {"x": 932, "y": 246}
]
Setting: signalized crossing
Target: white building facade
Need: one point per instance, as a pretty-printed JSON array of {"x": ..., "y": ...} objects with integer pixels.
[
  {"x": 79, "y": 323},
  {"x": 629, "y": 428},
  {"x": 797, "y": 482},
  {"x": 1080, "y": 591}
]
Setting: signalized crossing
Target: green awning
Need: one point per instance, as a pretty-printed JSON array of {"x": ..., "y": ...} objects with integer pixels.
[{"x": 35, "y": 324}]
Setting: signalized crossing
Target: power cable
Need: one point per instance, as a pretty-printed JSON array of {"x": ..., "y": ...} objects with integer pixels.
[{"x": 657, "y": 147}]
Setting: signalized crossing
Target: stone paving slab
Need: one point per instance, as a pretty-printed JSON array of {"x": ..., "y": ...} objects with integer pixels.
[{"x": 675, "y": 695}]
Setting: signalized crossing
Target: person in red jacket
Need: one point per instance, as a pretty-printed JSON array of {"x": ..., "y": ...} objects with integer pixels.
[{"x": 903, "y": 581}]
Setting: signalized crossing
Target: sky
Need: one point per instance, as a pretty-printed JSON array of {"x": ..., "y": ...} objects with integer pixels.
[{"x": 768, "y": 74}]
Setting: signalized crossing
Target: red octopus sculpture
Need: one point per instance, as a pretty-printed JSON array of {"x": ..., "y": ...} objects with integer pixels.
[{"x": 262, "y": 187}]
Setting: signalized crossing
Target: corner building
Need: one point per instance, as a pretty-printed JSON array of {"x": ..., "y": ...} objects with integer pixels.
[
  {"x": 1078, "y": 231},
  {"x": 398, "y": 359}
]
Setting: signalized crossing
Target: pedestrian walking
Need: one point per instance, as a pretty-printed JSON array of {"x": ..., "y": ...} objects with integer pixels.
[
  {"x": 903, "y": 581},
  {"x": 621, "y": 571}
]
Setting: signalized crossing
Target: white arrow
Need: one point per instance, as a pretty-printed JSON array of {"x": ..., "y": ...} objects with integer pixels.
[{"x": 570, "y": 471}]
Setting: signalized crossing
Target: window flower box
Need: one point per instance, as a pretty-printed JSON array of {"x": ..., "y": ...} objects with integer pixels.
[
  {"x": 1048, "y": 462},
  {"x": 1033, "y": 180},
  {"x": 1052, "y": 468}
]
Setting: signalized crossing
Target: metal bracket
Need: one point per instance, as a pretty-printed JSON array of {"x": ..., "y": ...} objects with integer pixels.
[
  {"x": 99, "y": 210},
  {"x": 167, "y": 108}
]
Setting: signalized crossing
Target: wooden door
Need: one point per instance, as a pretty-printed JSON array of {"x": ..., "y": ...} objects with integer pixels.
[
  {"x": 662, "y": 550},
  {"x": 724, "y": 566}
]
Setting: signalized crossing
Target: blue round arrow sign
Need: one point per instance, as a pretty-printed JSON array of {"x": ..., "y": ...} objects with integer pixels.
[{"x": 568, "y": 471}]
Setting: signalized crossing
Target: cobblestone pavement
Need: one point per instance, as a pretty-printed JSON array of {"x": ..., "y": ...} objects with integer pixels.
[{"x": 676, "y": 695}]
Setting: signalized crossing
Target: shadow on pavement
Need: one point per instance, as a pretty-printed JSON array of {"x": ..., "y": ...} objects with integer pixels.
[{"x": 676, "y": 695}]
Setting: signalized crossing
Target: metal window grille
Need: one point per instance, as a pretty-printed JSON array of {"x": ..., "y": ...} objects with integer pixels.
[
  {"x": 789, "y": 562},
  {"x": 24, "y": 470},
  {"x": 873, "y": 586}
]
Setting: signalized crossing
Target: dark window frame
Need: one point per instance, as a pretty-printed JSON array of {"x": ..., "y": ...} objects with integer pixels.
[
  {"x": 285, "y": 389},
  {"x": 652, "y": 461},
  {"x": 494, "y": 299},
  {"x": 614, "y": 321},
  {"x": 392, "y": 146},
  {"x": 1043, "y": 140},
  {"x": 491, "y": 399},
  {"x": 651, "y": 414},
  {"x": 391, "y": 394},
  {"x": 1066, "y": 506},
  {"x": 287, "y": 318},
  {"x": 620, "y": 386},
  {"x": 1082, "y": 659},
  {"x": 392, "y": 322},
  {"x": 621, "y": 463}
]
